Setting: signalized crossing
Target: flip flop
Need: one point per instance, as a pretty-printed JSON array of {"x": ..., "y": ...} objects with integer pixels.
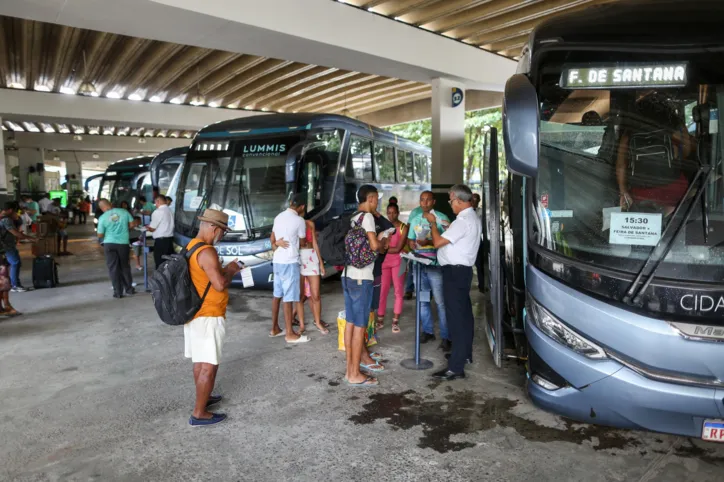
[
  {"x": 271, "y": 335},
  {"x": 369, "y": 382},
  {"x": 370, "y": 367},
  {"x": 324, "y": 324},
  {"x": 301, "y": 339},
  {"x": 376, "y": 356},
  {"x": 323, "y": 330},
  {"x": 395, "y": 327}
]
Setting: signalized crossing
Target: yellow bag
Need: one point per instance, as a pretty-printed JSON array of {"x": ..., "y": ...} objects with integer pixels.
[{"x": 370, "y": 336}]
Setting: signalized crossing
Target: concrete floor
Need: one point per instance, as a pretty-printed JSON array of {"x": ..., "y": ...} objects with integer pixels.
[{"x": 97, "y": 389}]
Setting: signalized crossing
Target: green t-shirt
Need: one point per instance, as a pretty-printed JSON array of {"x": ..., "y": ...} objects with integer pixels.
[
  {"x": 113, "y": 225},
  {"x": 35, "y": 207},
  {"x": 420, "y": 229},
  {"x": 149, "y": 206}
]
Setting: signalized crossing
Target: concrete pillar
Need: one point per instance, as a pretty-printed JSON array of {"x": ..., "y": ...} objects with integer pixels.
[
  {"x": 73, "y": 168},
  {"x": 30, "y": 157},
  {"x": 448, "y": 140}
]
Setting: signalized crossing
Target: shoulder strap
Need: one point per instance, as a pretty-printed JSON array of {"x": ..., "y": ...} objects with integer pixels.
[{"x": 190, "y": 253}]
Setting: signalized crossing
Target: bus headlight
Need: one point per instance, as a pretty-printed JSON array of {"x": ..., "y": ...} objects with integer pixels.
[
  {"x": 557, "y": 330},
  {"x": 266, "y": 255}
]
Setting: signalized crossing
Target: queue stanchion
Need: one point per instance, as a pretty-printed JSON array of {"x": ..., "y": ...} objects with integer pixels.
[
  {"x": 417, "y": 363},
  {"x": 145, "y": 262}
]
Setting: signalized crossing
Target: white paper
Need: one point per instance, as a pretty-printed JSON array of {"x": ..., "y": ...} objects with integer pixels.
[
  {"x": 196, "y": 202},
  {"x": 247, "y": 278},
  {"x": 637, "y": 229},
  {"x": 142, "y": 228},
  {"x": 607, "y": 216},
  {"x": 418, "y": 259},
  {"x": 386, "y": 234}
]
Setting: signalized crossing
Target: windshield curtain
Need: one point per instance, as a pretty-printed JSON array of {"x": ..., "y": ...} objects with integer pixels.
[
  {"x": 615, "y": 163},
  {"x": 249, "y": 181}
]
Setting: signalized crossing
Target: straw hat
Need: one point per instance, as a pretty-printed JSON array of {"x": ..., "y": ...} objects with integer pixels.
[{"x": 215, "y": 217}]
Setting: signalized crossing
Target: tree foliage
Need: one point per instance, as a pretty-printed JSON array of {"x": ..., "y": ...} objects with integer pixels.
[{"x": 475, "y": 139}]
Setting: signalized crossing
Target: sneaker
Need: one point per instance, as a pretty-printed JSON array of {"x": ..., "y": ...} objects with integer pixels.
[
  {"x": 201, "y": 422},
  {"x": 131, "y": 292},
  {"x": 18, "y": 289},
  {"x": 425, "y": 337}
]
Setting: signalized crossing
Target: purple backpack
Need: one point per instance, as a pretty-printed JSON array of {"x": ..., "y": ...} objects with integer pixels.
[{"x": 357, "y": 246}]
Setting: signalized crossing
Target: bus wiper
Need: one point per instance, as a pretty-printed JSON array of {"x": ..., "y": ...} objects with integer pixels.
[
  {"x": 678, "y": 221},
  {"x": 243, "y": 199}
]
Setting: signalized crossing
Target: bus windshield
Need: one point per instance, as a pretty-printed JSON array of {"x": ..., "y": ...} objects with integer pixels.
[
  {"x": 249, "y": 179},
  {"x": 621, "y": 144},
  {"x": 118, "y": 188}
]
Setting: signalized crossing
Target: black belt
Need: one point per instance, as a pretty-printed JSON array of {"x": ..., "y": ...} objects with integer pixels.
[{"x": 456, "y": 266}]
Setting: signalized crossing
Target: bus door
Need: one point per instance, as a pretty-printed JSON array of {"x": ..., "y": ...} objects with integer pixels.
[
  {"x": 94, "y": 194},
  {"x": 494, "y": 318}
]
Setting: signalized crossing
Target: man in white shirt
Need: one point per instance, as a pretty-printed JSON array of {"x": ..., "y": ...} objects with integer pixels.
[
  {"x": 288, "y": 229},
  {"x": 45, "y": 204},
  {"x": 162, "y": 229},
  {"x": 457, "y": 250}
]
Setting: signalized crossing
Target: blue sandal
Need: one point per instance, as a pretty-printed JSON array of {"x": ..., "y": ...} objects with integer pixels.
[{"x": 370, "y": 367}]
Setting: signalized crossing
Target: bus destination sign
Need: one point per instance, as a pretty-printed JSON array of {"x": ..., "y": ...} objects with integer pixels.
[{"x": 620, "y": 76}]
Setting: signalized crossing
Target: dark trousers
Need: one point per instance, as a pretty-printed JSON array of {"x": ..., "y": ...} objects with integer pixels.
[
  {"x": 480, "y": 266},
  {"x": 82, "y": 217},
  {"x": 119, "y": 267},
  {"x": 456, "y": 281},
  {"x": 162, "y": 247}
]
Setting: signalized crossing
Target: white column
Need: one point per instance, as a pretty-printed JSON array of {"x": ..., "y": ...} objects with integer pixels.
[
  {"x": 30, "y": 157},
  {"x": 448, "y": 135},
  {"x": 73, "y": 168}
]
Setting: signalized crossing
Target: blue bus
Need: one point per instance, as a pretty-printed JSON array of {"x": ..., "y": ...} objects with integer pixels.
[
  {"x": 125, "y": 180},
  {"x": 607, "y": 257},
  {"x": 250, "y": 167}
]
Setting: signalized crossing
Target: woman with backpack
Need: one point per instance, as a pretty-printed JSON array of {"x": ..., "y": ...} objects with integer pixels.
[{"x": 391, "y": 270}]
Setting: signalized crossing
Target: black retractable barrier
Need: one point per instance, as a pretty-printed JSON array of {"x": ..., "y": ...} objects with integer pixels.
[
  {"x": 417, "y": 363},
  {"x": 146, "y": 250}
]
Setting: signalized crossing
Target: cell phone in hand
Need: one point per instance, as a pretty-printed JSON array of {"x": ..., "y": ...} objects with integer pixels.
[{"x": 240, "y": 264}]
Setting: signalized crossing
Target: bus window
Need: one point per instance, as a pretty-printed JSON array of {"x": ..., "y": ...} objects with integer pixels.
[
  {"x": 107, "y": 189},
  {"x": 404, "y": 167},
  {"x": 310, "y": 180},
  {"x": 145, "y": 188},
  {"x": 421, "y": 174},
  {"x": 360, "y": 164},
  {"x": 384, "y": 163}
]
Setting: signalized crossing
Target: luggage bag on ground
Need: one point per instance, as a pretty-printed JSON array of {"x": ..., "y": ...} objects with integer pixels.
[{"x": 45, "y": 272}]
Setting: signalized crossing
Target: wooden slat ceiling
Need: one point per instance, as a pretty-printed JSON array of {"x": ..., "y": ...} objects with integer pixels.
[
  {"x": 49, "y": 58},
  {"x": 500, "y": 26},
  {"x": 48, "y": 128}
]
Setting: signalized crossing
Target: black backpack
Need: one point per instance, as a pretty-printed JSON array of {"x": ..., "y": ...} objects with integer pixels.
[
  {"x": 331, "y": 240},
  {"x": 174, "y": 295}
]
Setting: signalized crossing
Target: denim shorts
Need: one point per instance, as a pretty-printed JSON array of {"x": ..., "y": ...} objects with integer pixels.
[
  {"x": 357, "y": 301},
  {"x": 286, "y": 282}
]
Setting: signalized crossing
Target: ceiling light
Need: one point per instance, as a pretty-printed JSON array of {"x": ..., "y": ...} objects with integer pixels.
[
  {"x": 56, "y": 158},
  {"x": 67, "y": 90},
  {"x": 96, "y": 156},
  {"x": 264, "y": 109},
  {"x": 248, "y": 107},
  {"x": 174, "y": 134},
  {"x": 77, "y": 138},
  {"x": 161, "y": 134},
  {"x": 177, "y": 100},
  {"x": 79, "y": 130},
  {"x": 135, "y": 96},
  {"x": 148, "y": 133},
  {"x": 4, "y": 128},
  {"x": 141, "y": 140},
  {"x": 86, "y": 87},
  {"x": 15, "y": 127},
  {"x": 30, "y": 127},
  {"x": 16, "y": 85},
  {"x": 114, "y": 95},
  {"x": 108, "y": 131},
  {"x": 278, "y": 110},
  {"x": 137, "y": 131},
  {"x": 93, "y": 131},
  {"x": 156, "y": 98},
  {"x": 48, "y": 129},
  {"x": 64, "y": 130},
  {"x": 197, "y": 100},
  {"x": 213, "y": 104},
  {"x": 187, "y": 135},
  {"x": 42, "y": 88},
  {"x": 235, "y": 105}
]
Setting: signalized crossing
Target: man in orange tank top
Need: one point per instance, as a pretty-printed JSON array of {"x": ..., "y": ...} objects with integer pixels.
[{"x": 204, "y": 335}]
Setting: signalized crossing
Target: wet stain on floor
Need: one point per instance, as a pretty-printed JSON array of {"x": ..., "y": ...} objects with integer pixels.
[
  {"x": 694, "y": 451},
  {"x": 332, "y": 383},
  {"x": 467, "y": 412},
  {"x": 70, "y": 369}
]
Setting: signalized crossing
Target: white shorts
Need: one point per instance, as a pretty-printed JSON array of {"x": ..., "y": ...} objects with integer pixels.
[
  {"x": 310, "y": 262},
  {"x": 203, "y": 338}
]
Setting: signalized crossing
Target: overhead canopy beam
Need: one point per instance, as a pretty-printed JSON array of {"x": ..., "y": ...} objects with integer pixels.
[
  {"x": 20, "y": 105},
  {"x": 351, "y": 39}
]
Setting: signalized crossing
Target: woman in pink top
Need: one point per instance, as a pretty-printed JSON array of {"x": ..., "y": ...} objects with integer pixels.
[{"x": 391, "y": 269}]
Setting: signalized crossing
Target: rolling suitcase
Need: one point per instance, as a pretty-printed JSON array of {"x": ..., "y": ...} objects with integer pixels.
[{"x": 45, "y": 272}]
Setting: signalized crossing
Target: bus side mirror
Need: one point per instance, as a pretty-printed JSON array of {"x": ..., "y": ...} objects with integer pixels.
[{"x": 521, "y": 123}]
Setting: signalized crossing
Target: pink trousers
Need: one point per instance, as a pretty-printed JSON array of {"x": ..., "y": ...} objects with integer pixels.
[{"x": 389, "y": 276}]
